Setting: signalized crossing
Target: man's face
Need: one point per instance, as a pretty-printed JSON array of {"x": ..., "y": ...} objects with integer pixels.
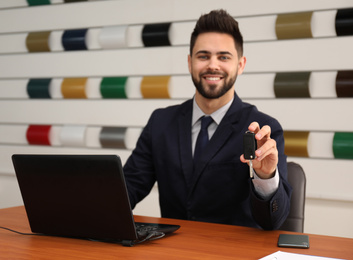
[{"x": 214, "y": 64}]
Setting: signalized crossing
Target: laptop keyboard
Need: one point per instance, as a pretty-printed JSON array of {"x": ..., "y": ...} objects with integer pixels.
[{"x": 144, "y": 229}]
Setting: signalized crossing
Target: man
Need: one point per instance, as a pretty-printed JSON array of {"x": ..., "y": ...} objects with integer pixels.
[{"x": 215, "y": 186}]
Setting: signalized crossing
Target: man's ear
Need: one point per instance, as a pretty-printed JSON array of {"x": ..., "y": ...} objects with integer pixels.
[
  {"x": 241, "y": 65},
  {"x": 189, "y": 63}
]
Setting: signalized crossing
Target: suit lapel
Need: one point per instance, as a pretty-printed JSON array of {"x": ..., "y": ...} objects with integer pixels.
[{"x": 185, "y": 147}]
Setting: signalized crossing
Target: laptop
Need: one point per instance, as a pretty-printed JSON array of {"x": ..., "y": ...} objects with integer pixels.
[{"x": 81, "y": 196}]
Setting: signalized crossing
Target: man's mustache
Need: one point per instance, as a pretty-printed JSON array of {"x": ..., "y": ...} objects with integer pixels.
[{"x": 219, "y": 73}]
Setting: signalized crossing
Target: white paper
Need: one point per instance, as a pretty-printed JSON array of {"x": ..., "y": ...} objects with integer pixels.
[{"x": 279, "y": 255}]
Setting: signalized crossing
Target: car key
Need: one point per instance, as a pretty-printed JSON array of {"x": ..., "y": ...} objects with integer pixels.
[{"x": 249, "y": 148}]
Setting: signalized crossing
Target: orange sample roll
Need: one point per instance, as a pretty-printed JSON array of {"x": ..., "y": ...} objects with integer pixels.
[
  {"x": 155, "y": 87},
  {"x": 74, "y": 88}
]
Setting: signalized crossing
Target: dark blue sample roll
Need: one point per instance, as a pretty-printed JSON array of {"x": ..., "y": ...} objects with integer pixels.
[
  {"x": 74, "y": 40},
  {"x": 156, "y": 34}
]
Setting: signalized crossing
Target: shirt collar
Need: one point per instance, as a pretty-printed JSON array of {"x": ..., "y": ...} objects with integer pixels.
[{"x": 217, "y": 116}]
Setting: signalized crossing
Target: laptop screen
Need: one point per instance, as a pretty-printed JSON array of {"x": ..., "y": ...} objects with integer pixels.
[{"x": 75, "y": 195}]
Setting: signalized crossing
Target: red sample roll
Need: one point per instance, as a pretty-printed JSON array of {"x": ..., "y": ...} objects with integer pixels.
[{"x": 38, "y": 134}]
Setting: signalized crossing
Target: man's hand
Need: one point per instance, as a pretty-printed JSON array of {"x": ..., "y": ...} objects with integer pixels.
[{"x": 266, "y": 160}]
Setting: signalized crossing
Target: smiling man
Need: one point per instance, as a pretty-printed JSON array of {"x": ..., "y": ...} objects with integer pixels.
[
  {"x": 214, "y": 66},
  {"x": 194, "y": 150}
]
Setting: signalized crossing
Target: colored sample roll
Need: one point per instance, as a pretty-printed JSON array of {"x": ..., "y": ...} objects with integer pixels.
[
  {"x": 296, "y": 143},
  {"x": 38, "y": 41},
  {"x": 113, "y": 37},
  {"x": 293, "y": 26},
  {"x": 113, "y": 87},
  {"x": 156, "y": 34},
  {"x": 344, "y": 83},
  {"x": 38, "y": 2},
  {"x": 74, "y": 88},
  {"x": 38, "y": 88},
  {"x": 344, "y": 22},
  {"x": 74, "y": 40},
  {"x": 343, "y": 145},
  {"x": 155, "y": 87},
  {"x": 113, "y": 137},
  {"x": 73, "y": 136},
  {"x": 292, "y": 85},
  {"x": 38, "y": 134}
]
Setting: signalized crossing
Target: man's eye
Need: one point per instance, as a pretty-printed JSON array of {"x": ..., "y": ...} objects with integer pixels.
[
  {"x": 203, "y": 57},
  {"x": 224, "y": 58}
]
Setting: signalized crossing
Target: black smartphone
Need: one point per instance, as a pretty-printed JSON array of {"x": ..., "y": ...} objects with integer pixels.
[{"x": 292, "y": 240}]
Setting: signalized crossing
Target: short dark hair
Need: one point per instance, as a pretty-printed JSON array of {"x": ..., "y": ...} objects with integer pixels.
[{"x": 221, "y": 22}]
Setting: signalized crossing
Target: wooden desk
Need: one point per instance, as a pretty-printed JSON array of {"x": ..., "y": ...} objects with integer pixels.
[{"x": 194, "y": 240}]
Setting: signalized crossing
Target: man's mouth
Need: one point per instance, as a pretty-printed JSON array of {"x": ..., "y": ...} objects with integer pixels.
[{"x": 213, "y": 78}]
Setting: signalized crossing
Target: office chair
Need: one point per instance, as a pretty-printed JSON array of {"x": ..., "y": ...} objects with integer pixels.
[{"x": 295, "y": 219}]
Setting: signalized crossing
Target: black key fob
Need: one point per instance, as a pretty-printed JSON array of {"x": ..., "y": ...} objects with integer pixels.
[{"x": 249, "y": 145}]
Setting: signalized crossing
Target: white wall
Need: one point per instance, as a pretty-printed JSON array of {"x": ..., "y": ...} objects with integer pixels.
[{"x": 329, "y": 192}]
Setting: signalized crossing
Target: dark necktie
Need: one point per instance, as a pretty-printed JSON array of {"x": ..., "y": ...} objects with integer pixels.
[{"x": 202, "y": 138}]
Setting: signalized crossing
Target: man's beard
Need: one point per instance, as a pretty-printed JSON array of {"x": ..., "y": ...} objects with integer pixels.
[{"x": 210, "y": 92}]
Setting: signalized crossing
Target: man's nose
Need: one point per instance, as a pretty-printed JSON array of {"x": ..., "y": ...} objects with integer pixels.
[{"x": 213, "y": 63}]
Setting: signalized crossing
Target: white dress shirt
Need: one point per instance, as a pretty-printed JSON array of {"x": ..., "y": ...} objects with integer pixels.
[{"x": 263, "y": 187}]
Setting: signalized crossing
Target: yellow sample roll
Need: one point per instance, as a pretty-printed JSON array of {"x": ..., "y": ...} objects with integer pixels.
[
  {"x": 293, "y": 26},
  {"x": 38, "y": 42},
  {"x": 296, "y": 143}
]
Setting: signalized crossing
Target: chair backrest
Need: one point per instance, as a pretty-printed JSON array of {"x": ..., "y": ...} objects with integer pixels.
[{"x": 295, "y": 219}]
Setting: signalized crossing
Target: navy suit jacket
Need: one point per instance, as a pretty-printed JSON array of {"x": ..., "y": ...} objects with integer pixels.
[{"x": 218, "y": 189}]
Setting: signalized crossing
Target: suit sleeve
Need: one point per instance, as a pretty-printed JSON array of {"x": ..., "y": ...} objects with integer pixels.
[
  {"x": 271, "y": 213},
  {"x": 139, "y": 168}
]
